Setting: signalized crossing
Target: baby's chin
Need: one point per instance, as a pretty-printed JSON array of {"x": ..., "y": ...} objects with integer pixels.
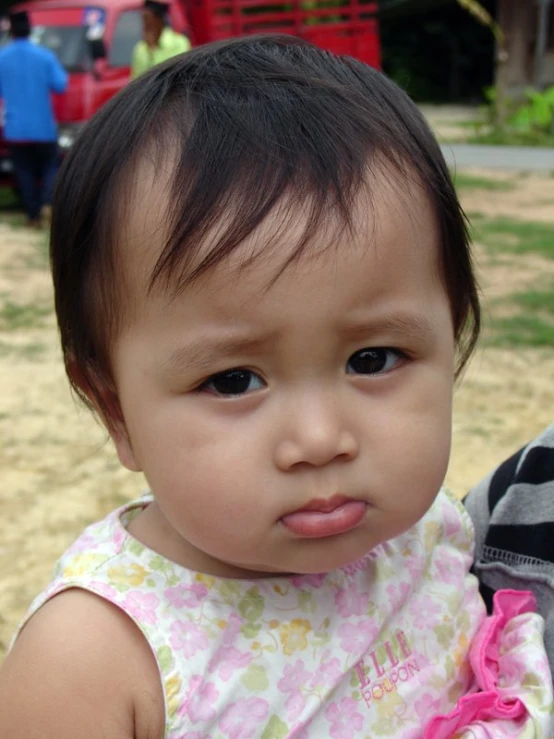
[{"x": 318, "y": 568}]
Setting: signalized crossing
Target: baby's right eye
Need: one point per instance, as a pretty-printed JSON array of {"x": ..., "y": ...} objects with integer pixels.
[{"x": 232, "y": 383}]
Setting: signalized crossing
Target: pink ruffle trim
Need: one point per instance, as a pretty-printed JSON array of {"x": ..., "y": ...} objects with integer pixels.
[{"x": 487, "y": 704}]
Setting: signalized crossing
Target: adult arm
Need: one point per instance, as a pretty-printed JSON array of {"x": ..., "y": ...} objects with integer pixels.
[
  {"x": 77, "y": 670},
  {"x": 513, "y": 514},
  {"x": 482, "y": 500},
  {"x": 140, "y": 61},
  {"x": 57, "y": 76},
  {"x": 512, "y": 509},
  {"x": 183, "y": 44}
]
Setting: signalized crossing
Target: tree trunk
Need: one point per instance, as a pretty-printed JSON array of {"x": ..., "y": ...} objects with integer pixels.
[
  {"x": 502, "y": 55},
  {"x": 543, "y": 24}
]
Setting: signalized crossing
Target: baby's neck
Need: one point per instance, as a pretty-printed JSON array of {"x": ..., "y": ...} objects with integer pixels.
[{"x": 151, "y": 528}]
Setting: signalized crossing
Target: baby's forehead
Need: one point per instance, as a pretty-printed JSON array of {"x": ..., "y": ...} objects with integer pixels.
[{"x": 298, "y": 229}]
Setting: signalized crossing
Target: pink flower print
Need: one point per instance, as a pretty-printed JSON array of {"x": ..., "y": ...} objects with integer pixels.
[
  {"x": 227, "y": 660},
  {"x": 451, "y": 521},
  {"x": 142, "y": 606},
  {"x": 186, "y": 596},
  {"x": 198, "y": 705},
  {"x": 241, "y": 720},
  {"x": 426, "y": 707},
  {"x": 512, "y": 667},
  {"x": 425, "y": 612},
  {"x": 510, "y": 639},
  {"x": 104, "y": 589},
  {"x": 328, "y": 673},
  {"x": 415, "y": 564},
  {"x": 359, "y": 565},
  {"x": 299, "y": 733},
  {"x": 398, "y": 594},
  {"x": 308, "y": 581},
  {"x": 186, "y": 637},
  {"x": 357, "y": 638},
  {"x": 542, "y": 666},
  {"x": 294, "y": 705},
  {"x": 294, "y": 677},
  {"x": 412, "y": 734},
  {"x": 451, "y": 569},
  {"x": 344, "y": 719},
  {"x": 195, "y": 735},
  {"x": 234, "y": 625},
  {"x": 84, "y": 543},
  {"x": 119, "y": 537},
  {"x": 350, "y": 602}
]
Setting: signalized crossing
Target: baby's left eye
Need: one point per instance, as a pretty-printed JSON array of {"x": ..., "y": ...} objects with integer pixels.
[
  {"x": 232, "y": 383},
  {"x": 373, "y": 361}
]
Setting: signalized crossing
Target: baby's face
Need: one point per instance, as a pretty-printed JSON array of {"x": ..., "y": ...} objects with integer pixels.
[{"x": 292, "y": 428}]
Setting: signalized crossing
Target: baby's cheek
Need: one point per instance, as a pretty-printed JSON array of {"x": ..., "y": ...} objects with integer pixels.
[{"x": 417, "y": 471}]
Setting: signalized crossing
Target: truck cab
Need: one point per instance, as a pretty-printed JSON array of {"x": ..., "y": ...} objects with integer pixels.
[{"x": 94, "y": 41}]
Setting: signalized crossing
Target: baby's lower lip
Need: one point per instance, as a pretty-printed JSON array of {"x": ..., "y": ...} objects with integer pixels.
[{"x": 315, "y": 524}]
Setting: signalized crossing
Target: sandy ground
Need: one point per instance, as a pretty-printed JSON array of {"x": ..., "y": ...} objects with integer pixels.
[{"x": 58, "y": 472}]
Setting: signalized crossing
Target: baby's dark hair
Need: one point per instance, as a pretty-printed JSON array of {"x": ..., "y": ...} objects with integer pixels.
[{"x": 248, "y": 122}]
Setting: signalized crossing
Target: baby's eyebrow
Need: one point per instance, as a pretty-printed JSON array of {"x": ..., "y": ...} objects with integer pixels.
[
  {"x": 399, "y": 323},
  {"x": 200, "y": 353}
]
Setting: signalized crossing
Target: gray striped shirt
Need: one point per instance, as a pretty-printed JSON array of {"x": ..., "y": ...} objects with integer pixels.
[{"x": 513, "y": 513}]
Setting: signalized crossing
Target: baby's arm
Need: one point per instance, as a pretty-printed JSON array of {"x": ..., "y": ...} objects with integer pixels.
[{"x": 80, "y": 668}]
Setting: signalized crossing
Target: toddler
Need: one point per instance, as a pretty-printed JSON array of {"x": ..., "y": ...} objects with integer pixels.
[{"x": 264, "y": 287}]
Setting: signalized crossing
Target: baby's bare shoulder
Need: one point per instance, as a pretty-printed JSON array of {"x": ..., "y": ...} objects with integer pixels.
[{"x": 80, "y": 667}]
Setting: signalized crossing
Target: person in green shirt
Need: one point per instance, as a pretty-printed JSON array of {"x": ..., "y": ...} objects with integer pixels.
[{"x": 160, "y": 42}]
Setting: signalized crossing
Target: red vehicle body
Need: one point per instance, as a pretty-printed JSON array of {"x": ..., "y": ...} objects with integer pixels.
[{"x": 94, "y": 40}]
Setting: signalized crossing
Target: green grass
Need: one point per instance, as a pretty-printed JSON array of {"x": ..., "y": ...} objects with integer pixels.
[
  {"x": 14, "y": 317},
  {"x": 536, "y": 301},
  {"x": 513, "y": 236},
  {"x": 522, "y": 330},
  {"x": 9, "y": 198},
  {"x": 532, "y": 323},
  {"x": 39, "y": 258},
  {"x": 13, "y": 219},
  {"x": 524, "y": 317},
  {"x": 472, "y": 182}
]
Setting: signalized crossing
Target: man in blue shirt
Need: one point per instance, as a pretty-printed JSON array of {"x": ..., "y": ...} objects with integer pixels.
[{"x": 28, "y": 75}]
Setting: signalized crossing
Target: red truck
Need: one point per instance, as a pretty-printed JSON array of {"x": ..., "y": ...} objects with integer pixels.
[{"x": 94, "y": 40}]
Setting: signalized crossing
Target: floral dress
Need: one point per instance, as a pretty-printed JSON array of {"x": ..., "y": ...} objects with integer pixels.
[{"x": 397, "y": 644}]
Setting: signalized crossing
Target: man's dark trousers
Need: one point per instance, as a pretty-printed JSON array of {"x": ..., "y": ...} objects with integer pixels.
[{"x": 35, "y": 166}]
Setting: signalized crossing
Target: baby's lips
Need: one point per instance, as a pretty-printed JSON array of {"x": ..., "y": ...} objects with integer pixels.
[{"x": 316, "y": 524}]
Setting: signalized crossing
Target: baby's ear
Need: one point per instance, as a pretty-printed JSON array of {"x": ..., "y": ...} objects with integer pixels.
[{"x": 101, "y": 396}]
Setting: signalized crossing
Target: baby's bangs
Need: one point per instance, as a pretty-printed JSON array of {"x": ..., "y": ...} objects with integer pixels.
[{"x": 236, "y": 161}]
